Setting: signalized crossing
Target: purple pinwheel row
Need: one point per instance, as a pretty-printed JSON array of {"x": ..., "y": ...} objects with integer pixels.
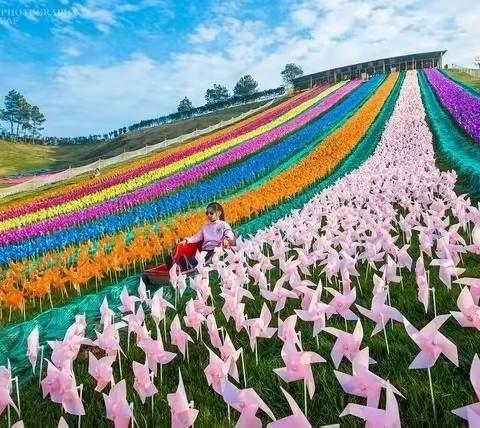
[
  {"x": 178, "y": 180},
  {"x": 174, "y": 157},
  {"x": 462, "y": 105}
]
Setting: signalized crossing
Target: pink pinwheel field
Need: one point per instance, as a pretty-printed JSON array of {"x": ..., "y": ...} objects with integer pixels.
[{"x": 358, "y": 307}]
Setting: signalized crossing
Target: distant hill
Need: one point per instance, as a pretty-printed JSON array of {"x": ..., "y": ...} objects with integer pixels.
[{"x": 20, "y": 158}]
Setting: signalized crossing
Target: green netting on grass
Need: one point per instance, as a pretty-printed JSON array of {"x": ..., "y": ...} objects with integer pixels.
[
  {"x": 357, "y": 156},
  {"x": 454, "y": 145},
  {"x": 53, "y": 324}
]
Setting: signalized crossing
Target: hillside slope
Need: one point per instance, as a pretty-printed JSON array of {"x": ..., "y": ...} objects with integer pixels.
[{"x": 28, "y": 158}]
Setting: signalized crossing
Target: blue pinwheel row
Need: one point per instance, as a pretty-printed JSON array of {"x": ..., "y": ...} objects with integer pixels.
[{"x": 242, "y": 173}]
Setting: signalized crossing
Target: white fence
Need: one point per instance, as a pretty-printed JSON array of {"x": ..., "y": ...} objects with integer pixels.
[
  {"x": 474, "y": 72},
  {"x": 39, "y": 181}
]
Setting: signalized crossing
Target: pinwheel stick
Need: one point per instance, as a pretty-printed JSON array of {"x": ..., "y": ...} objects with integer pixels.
[
  {"x": 228, "y": 414},
  {"x": 434, "y": 301},
  {"x": 120, "y": 364},
  {"x": 153, "y": 405},
  {"x": 256, "y": 353},
  {"x": 305, "y": 396},
  {"x": 385, "y": 334},
  {"x": 80, "y": 388},
  {"x": 165, "y": 327},
  {"x": 133, "y": 419},
  {"x": 18, "y": 397},
  {"x": 41, "y": 364},
  {"x": 431, "y": 394},
  {"x": 243, "y": 368}
]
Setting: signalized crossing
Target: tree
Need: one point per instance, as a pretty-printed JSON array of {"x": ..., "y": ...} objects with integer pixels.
[
  {"x": 290, "y": 72},
  {"x": 37, "y": 118},
  {"x": 216, "y": 94},
  {"x": 185, "y": 105},
  {"x": 247, "y": 85},
  {"x": 12, "y": 112},
  {"x": 25, "y": 112}
]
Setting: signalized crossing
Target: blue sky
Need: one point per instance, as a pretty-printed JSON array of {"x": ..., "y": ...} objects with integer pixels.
[{"x": 96, "y": 65}]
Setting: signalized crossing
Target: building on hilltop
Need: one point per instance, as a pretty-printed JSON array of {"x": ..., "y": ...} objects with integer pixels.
[{"x": 367, "y": 68}]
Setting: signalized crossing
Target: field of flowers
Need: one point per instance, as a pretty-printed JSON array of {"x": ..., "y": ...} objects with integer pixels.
[{"x": 352, "y": 294}]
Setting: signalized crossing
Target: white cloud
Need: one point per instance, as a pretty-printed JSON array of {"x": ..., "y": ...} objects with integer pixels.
[
  {"x": 203, "y": 34},
  {"x": 71, "y": 51}
]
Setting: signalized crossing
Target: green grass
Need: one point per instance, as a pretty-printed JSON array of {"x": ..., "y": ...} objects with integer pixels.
[
  {"x": 463, "y": 77},
  {"x": 452, "y": 388},
  {"x": 24, "y": 157}
]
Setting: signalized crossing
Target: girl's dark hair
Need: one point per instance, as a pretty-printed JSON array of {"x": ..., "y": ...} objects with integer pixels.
[{"x": 217, "y": 207}]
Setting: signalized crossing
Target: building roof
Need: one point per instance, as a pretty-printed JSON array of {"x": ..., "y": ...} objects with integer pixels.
[{"x": 390, "y": 60}]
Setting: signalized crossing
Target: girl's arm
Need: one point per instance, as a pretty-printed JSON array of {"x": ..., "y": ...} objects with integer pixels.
[{"x": 198, "y": 237}]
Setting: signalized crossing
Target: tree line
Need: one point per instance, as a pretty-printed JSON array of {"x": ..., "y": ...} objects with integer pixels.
[{"x": 24, "y": 122}]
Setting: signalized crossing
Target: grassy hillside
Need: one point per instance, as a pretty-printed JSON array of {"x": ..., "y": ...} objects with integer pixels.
[
  {"x": 26, "y": 158},
  {"x": 465, "y": 78}
]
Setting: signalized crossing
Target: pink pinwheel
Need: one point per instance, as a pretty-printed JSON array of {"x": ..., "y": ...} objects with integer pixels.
[
  {"x": 390, "y": 269},
  {"x": 62, "y": 423},
  {"x": 363, "y": 383},
  {"x": 298, "y": 366},
  {"x": 135, "y": 320},
  {"x": 377, "y": 418},
  {"x": 33, "y": 346},
  {"x": 106, "y": 314},
  {"x": 247, "y": 402},
  {"x": 470, "y": 312},
  {"x": 61, "y": 385},
  {"x": 128, "y": 302},
  {"x": 315, "y": 313},
  {"x": 340, "y": 304},
  {"x": 143, "y": 382},
  {"x": 475, "y": 246},
  {"x": 159, "y": 306},
  {"x": 142, "y": 292},
  {"x": 447, "y": 270},
  {"x": 201, "y": 306},
  {"x": 101, "y": 370},
  {"x": 183, "y": 414},
  {"x": 109, "y": 339},
  {"x": 258, "y": 276},
  {"x": 258, "y": 327},
  {"x": 116, "y": 405},
  {"x": 297, "y": 419},
  {"x": 178, "y": 337},
  {"x": 5, "y": 390},
  {"x": 432, "y": 343},
  {"x": 212, "y": 328},
  {"x": 155, "y": 352},
  {"x": 380, "y": 313},
  {"x": 278, "y": 295},
  {"x": 217, "y": 371},
  {"x": 286, "y": 330},
  {"x": 422, "y": 282},
  {"x": 347, "y": 344},
  {"x": 66, "y": 350},
  {"x": 193, "y": 318},
  {"x": 404, "y": 259},
  {"x": 474, "y": 284},
  {"x": 472, "y": 412},
  {"x": 228, "y": 351}
]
